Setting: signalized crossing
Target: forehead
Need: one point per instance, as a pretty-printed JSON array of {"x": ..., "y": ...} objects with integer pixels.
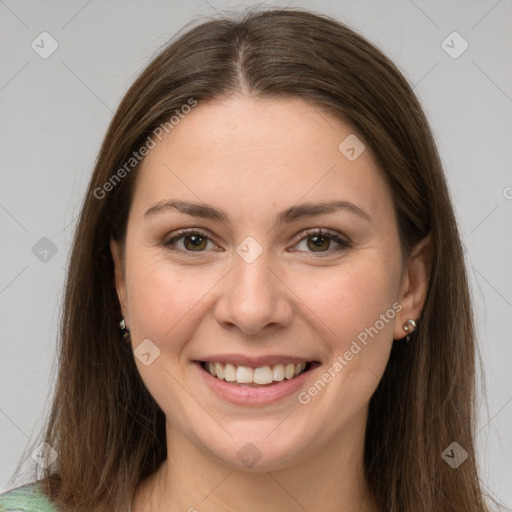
[{"x": 261, "y": 153}]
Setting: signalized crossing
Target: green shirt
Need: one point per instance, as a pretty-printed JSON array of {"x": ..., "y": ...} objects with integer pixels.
[{"x": 27, "y": 498}]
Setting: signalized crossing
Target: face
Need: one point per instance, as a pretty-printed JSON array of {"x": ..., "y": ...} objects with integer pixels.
[{"x": 233, "y": 258}]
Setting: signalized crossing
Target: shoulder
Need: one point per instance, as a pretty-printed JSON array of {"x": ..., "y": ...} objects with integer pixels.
[{"x": 27, "y": 498}]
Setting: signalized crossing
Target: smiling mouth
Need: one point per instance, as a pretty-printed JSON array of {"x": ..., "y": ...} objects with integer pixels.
[{"x": 246, "y": 376}]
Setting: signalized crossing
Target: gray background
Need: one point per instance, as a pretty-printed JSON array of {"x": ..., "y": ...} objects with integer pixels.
[{"x": 54, "y": 113}]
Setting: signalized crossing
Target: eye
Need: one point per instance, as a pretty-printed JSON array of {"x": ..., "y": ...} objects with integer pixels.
[
  {"x": 188, "y": 241},
  {"x": 316, "y": 241},
  {"x": 320, "y": 241}
]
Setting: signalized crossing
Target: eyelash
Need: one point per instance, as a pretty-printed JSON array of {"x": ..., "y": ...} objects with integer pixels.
[{"x": 333, "y": 236}]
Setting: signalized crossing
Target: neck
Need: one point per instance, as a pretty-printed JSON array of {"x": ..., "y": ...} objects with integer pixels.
[{"x": 192, "y": 480}]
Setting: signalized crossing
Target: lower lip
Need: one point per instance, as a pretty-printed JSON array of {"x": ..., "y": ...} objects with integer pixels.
[{"x": 253, "y": 396}]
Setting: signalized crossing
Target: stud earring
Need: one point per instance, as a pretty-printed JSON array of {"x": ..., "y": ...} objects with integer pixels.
[
  {"x": 124, "y": 330},
  {"x": 409, "y": 327}
]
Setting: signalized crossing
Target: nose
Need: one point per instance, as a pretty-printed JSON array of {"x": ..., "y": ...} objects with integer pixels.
[{"x": 253, "y": 297}]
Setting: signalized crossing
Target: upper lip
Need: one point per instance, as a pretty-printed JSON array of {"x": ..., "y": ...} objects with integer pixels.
[{"x": 255, "y": 361}]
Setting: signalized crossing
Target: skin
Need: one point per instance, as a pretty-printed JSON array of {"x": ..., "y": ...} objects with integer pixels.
[{"x": 253, "y": 158}]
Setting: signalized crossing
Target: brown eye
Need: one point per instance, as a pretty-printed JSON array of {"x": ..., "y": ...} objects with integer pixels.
[
  {"x": 189, "y": 241},
  {"x": 320, "y": 242},
  {"x": 194, "y": 242}
]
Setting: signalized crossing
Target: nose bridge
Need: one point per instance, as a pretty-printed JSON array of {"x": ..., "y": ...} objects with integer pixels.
[{"x": 252, "y": 297}]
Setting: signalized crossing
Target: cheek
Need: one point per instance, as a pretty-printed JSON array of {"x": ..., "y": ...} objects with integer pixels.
[
  {"x": 162, "y": 295},
  {"x": 357, "y": 302},
  {"x": 351, "y": 296}
]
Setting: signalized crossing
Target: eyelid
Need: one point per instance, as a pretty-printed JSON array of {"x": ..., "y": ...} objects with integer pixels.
[{"x": 186, "y": 231}]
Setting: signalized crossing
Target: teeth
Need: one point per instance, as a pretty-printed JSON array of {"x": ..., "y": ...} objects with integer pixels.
[
  {"x": 229, "y": 373},
  {"x": 289, "y": 371},
  {"x": 219, "y": 370},
  {"x": 278, "y": 372},
  {"x": 261, "y": 375},
  {"x": 244, "y": 374}
]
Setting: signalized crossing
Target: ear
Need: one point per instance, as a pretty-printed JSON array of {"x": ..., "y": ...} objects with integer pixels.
[
  {"x": 413, "y": 292},
  {"x": 117, "y": 256}
]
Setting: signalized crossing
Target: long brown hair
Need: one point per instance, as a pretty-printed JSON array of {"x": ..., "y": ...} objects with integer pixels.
[{"x": 107, "y": 429}]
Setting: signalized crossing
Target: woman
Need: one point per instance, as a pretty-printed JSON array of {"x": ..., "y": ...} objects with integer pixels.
[{"x": 269, "y": 229}]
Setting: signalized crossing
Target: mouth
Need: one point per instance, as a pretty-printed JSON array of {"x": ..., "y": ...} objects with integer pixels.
[{"x": 256, "y": 377}]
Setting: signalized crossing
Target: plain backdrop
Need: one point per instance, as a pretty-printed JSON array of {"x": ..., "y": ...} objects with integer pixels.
[{"x": 55, "y": 110}]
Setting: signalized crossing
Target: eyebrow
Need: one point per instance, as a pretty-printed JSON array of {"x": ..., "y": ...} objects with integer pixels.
[{"x": 287, "y": 216}]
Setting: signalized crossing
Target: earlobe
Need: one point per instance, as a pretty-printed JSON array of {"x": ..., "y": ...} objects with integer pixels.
[
  {"x": 414, "y": 289},
  {"x": 120, "y": 281}
]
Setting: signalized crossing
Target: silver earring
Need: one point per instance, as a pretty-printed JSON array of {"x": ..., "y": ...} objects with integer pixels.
[
  {"x": 409, "y": 327},
  {"x": 124, "y": 330}
]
